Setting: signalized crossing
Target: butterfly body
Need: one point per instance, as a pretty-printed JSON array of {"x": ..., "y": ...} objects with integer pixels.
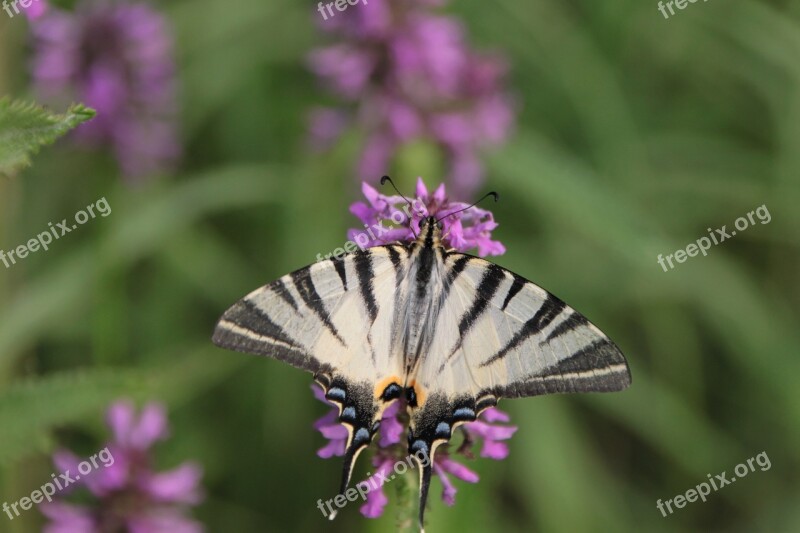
[{"x": 449, "y": 332}]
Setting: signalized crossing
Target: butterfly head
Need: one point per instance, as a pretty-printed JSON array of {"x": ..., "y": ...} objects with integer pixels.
[{"x": 430, "y": 234}]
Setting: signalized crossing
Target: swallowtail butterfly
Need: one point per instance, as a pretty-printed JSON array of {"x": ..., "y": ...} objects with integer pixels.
[{"x": 449, "y": 332}]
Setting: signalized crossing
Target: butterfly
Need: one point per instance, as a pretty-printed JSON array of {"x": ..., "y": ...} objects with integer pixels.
[{"x": 449, "y": 332}]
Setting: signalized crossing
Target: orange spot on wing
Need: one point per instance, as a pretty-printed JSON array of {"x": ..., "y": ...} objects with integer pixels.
[
  {"x": 385, "y": 382},
  {"x": 422, "y": 394}
]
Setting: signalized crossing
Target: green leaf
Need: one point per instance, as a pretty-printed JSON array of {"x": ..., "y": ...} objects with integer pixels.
[
  {"x": 31, "y": 409},
  {"x": 25, "y": 127}
]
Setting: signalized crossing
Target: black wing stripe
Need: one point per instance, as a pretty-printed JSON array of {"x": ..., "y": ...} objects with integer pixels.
[
  {"x": 363, "y": 263},
  {"x": 601, "y": 354},
  {"x": 458, "y": 267},
  {"x": 248, "y": 315},
  {"x": 305, "y": 287},
  {"x": 519, "y": 282},
  {"x": 598, "y": 367},
  {"x": 486, "y": 290},
  {"x": 394, "y": 257},
  {"x": 549, "y": 310},
  {"x": 280, "y": 289},
  {"x": 338, "y": 264},
  {"x": 573, "y": 321}
]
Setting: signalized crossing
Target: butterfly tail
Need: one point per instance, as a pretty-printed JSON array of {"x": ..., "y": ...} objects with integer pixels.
[
  {"x": 425, "y": 473},
  {"x": 350, "y": 455}
]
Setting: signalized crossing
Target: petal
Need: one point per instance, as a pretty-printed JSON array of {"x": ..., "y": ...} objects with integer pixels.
[
  {"x": 439, "y": 196},
  {"x": 112, "y": 473},
  {"x": 457, "y": 469},
  {"x": 449, "y": 490},
  {"x": 487, "y": 431},
  {"x": 493, "y": 414},
  {"x": 151, "y": 427},
  {"x": 422, "y": 191},
  {"x": 36, "y": 10},
  {"x": 334, "y": 431},
  {"x": 67, "y": 462},
  {"x": 334, "y": 447},
  {"x": 179, "y": 485},
  {"x": 391, "y": 428},
  {"x": 331, "y": 418},
  {"x": 372, "y": 194},
  {"x": 376, "y": 501},
  {"x": 494, "y": 450},
  {"x": 319, "y": 394},
  {"x": 67, "y": 518},
  {"x": 376, "y": 498},
  {"x": 365, "y": 213},
  {"x": 120, "y": 419}
]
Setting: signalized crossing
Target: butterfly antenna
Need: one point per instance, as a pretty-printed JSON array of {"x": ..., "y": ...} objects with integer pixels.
[
  {"x": 387, "y": 178},
  {"x": 383, "y": 182},
  {"x": 491, "y": 193}
]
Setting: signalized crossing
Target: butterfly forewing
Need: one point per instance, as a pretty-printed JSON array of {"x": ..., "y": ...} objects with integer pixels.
[
  {"x": 333, "y": 318},
  {"x": 505, "y": 336}
]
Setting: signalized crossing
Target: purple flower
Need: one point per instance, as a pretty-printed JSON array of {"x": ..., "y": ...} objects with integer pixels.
[
  {"x": 36, "y": 9},
  {"x": 376, "y": 498},
  {"x": 117, "y": 58},
  {"x": 408, "y": 75},
  {"x": 330, "y": 427},
  {"x": 390, "y": 451},
  {"x": 462, "y": 231},
  {"x": 127, "y": 494}
]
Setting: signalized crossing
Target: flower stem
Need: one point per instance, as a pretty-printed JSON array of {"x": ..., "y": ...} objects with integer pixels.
[{"x": 406, "y": 510}]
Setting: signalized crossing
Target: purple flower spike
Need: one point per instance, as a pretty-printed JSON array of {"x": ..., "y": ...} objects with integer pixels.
[
  {"x": 117, "y": 58},
  {"x": 463, "y": 231},
  {"x": 376, "y": 498},
  {"x": 408, "y": 74},
  {"x": 127, "y": 494}
]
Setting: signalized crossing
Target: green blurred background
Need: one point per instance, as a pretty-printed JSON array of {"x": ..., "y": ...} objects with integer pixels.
[{"x": 635, "y": 134}]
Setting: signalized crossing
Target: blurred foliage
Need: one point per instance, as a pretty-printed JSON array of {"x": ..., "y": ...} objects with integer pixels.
[{"x": 635, "y": 134}]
